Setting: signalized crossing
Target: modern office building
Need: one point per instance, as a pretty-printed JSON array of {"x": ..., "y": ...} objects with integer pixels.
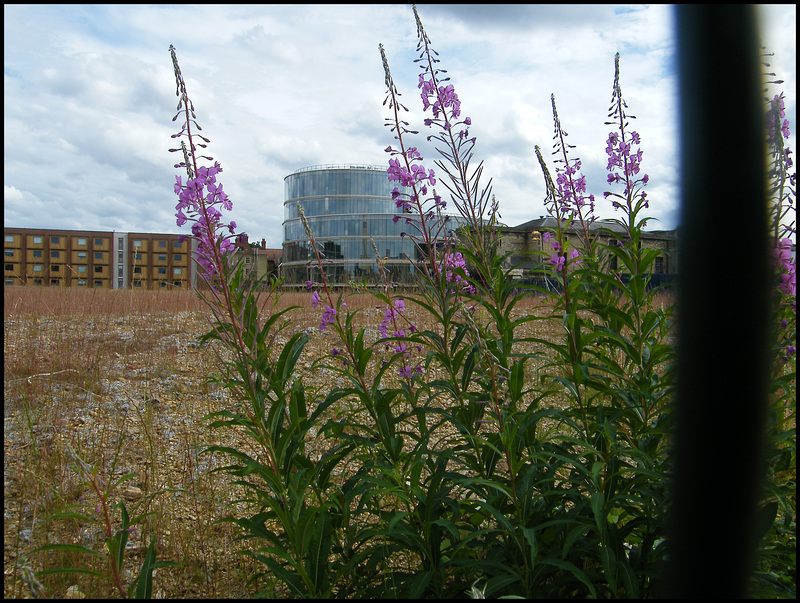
[
  {"x": 111, "y": 260},
  {"x": 348, "y": 207}
]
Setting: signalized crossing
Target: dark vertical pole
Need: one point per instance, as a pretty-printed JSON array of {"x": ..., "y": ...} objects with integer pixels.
[{"x": 723, "y": 303}]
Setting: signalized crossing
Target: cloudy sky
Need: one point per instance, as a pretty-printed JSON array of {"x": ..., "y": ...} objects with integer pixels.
[{"x": 89, "y": 95}]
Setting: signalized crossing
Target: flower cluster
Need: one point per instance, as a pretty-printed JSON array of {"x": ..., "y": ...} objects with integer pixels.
[
  {"x": 445, "y": 97},
  {"x": 455, "y": 268},
  {"x": 572, "y": 190},
  {"x": 199, "y": 200},
  {"x": 775, "y": 114},
  {"x": 559, "y": 259},
  {"x": 327, "y": 317},
  {"x": 623, "y": 161},
  {"x": 787, "y": 267},
  {"x": 623, "y": 165},
  {"x": 390, "y": 316}
]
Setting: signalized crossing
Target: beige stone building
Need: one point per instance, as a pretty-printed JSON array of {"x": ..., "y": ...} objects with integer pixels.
[{"x": 523, "y": 241}]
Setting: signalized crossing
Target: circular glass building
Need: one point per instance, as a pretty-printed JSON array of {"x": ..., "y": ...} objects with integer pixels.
[{"x": 348, "y": 207}]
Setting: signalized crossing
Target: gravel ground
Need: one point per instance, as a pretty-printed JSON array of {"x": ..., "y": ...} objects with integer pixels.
[{"x": 128, "y": 394}]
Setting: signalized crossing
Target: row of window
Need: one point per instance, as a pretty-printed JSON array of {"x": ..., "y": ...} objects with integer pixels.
[
  {"x": 351, "y": 249},
  {"x": 160, "y": 257},
  {"x": 97, "y": 269},
  {"x": 338, "y": 204},
  {"x": 39, "y": 240},
  {"x": 100, "y": 256},
  {"x": 98, "y": 242},
  {"x": 56, "y": 255},
  {"x": 55, "y": 282},
  {"x": 361, "y": 182}
]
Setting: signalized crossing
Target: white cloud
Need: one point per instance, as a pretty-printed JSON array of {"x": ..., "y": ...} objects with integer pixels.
[{"x": 89, "y": 94}]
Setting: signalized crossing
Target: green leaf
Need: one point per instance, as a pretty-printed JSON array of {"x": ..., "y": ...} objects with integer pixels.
[
  {"x": 569, "y": 567},
  {"x": 319, "y": 550},
  {"x": 291, "y": 578},
  {"x": 144, "y": 583},
  {"x": 419, "y": 584},
  {"x": 609, "y": 561}
]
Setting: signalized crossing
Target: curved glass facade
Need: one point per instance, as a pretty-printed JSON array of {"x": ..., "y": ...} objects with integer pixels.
[{"x": 345, "y": 207}]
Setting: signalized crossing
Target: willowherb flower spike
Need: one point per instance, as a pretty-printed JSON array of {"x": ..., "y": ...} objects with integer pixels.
[
  {"x": 624, "y": 154},
  {"x": 201, "y": 200},
  {"x": 570, "y": 184}
]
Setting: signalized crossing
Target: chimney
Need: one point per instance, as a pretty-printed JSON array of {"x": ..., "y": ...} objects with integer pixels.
[{"x": 263, "y": 243}]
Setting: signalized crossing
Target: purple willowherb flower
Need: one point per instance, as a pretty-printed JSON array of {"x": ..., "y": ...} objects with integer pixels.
[
  {"x": 201, "y": 198},
  {"x": 624, "y": 162},
  {"x": 787, "y": 266},
  {"x": 775, "y": 114},
  {"x": 390, "y": 316},
  {"x": 407, "y": 372},
  {"x": 451, "y": 261},
  {"x": 557, "y": 261},
  {"x": 327, "y": 317},
  {"x": 315, "y": 299}
]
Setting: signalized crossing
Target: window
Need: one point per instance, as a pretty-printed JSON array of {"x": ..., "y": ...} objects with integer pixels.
[
  {"x": 121, "y": 244},
  {"x": 176, "y": 271},
  {"x": 162, "y": 244},
  {"x": 37, "y": 281},
  {"x": 37, "y": 267},
  {"x": 54, "y": 282},
  {"x": 98, "y": 283},
  {"x": 162, "y": 257},
  {"x": 9, "y": 253},
  {"x": 137, "y": 284},
  {"x": 162, "y": 270},
  {"x": 55, "y": 240},
  {"x": 55, "y": 268},
  {"x": 82, "y": 255},
  {"x": 119, "y": 270},
  {"x": 177, "y": 257},
  {"x": 81, "y": 269},
  {"x": 177, "y": 283},
  {"x": 137, "y": 270},
  {"x": 98, "y": 242},
  {"x": 658, "y": 267},
  {"x": 37, "y": 240},
  {"x": 98, "y": 270},
  {"x": 8, "y": 281},
  {"x": 9, "y": 238},
  {"x": 138, "y": 257},
  {"x": 8, "y": 267},
  {"x": 137, "y": 243},
  {"x": 81, "y": 241},
  {"x": 37, "y": 253},
  {"x": 120, "y": 259},
  {"x": 163, "y": 284},
  {"x": 119, "y": 283},
  {"x": 98, "y": 255},
  {"x": 177, "y": 244},
  {"x": 246, "y": 260},
  {"x": 55, "y": 254},
  {"x": 81, "y": 282}
]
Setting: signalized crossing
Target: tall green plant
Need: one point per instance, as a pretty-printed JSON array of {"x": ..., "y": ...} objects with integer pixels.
[{"x": 449, "y": 469}]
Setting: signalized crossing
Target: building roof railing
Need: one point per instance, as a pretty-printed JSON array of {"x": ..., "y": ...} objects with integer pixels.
[{"x": 341, "y": 166}]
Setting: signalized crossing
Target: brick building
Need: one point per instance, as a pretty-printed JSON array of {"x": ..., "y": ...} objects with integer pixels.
[{"x": 110, "y": 260}]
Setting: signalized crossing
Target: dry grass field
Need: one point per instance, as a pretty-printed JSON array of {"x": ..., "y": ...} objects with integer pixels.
[{"x": 117, "y": 380}]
